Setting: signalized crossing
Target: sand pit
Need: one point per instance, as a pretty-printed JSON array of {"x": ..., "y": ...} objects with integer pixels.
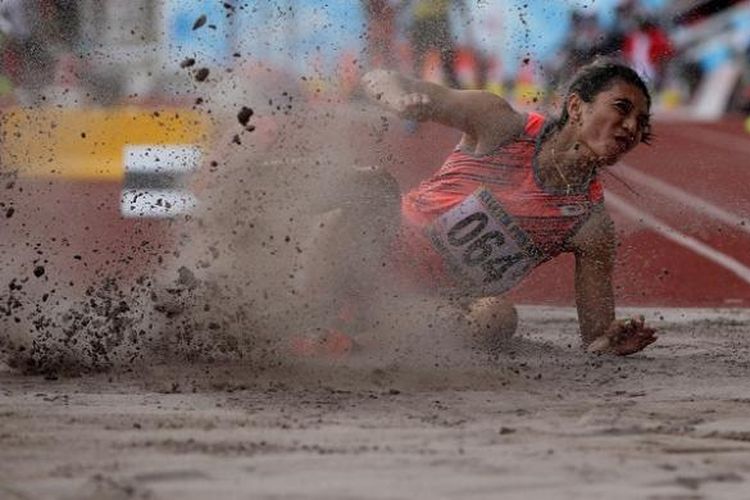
[{"x": 540, "y": 421}]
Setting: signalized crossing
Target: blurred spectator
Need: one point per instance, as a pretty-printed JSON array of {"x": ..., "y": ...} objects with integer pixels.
[
  {"x": 742, "y": 100},
  {"x": 635, "y": 36},
  {"x": 430, "y": 31},
  {"x": 627, "y": 14},
  {"x": 583, "y": 43},
  {"x": 380, "y": 18},
  {"x": 648, "y": 50},
  {"x": 472, "y": 67},
  {"x": 26, "y": 58},
  {"x": 13, "y": 21},
  {"x": 63, "y": 19}
]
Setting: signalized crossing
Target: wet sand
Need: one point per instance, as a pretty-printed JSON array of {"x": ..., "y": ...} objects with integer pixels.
[{"x": 539, "y": 420}]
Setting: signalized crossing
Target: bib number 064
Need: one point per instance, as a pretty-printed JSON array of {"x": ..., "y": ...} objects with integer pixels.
[{"x": 482, "y": 248}]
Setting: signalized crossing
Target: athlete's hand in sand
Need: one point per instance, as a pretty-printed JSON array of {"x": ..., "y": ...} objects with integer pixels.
[{"x": 624, "y": 337}]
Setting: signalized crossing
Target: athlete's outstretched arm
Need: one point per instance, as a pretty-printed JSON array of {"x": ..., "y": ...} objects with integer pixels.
[
  {"x": 594, "y": 247},
  {"x": 482, "y": 115}
]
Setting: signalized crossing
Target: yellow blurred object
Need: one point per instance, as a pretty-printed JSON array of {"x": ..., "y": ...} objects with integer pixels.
[
  {"x": 671, "y": 98},
  {"x": 526, "y": 94},
  {"x": 427, "y": 9},
  {"x": 88, "y": 144},
  {"x": 496, "y": 88},
  {"x": 747, "y": 125}
]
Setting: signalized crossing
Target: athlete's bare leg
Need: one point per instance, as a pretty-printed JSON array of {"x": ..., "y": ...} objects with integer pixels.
[{"x": 346, "y": 257}]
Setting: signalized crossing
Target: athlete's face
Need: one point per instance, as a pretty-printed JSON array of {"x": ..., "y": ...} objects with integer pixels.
[{"x": 613, "y": 123}]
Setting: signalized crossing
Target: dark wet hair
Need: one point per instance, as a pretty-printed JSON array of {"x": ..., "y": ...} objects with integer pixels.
[{"x": 598, "y": 76}]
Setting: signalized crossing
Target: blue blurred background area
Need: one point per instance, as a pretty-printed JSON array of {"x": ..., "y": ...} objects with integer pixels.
[{"x": 211, "y": 44}]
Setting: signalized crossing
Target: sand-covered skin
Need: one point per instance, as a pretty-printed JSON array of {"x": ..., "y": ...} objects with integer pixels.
[{"x": 540, "y": 421}]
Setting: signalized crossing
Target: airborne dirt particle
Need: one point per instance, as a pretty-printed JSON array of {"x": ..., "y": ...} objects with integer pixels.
[
  {"x": 39, "y": 271},
  {"x": 187, "y": 62},
  {"x": 186, "y": 278},
  {"x": 201, "y": 74},
  {"x": 244, "y": 115},
  {"x": 200, "y": 22},
  {"x": 9, "y": 213}
]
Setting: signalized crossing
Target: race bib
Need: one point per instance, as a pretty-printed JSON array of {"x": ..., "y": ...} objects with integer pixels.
[{"x": 483, "y": 246}]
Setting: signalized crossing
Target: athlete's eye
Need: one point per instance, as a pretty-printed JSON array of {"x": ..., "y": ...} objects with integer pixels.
[{"x": 623, "y": 107}]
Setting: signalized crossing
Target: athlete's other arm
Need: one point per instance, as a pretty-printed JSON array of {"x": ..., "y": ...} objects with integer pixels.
[
  {"x": 483, "y": 116},
  {"x": 594, "y": 248}
]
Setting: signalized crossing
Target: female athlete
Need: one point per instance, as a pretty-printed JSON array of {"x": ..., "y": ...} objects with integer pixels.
[{"x": 518, "y": 190}]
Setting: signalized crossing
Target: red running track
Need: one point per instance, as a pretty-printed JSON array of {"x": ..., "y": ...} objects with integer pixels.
[{"x": 683, "y": 224}]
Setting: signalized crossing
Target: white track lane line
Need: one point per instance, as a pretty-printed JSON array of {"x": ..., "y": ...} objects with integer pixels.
[
  {"x": 710, "y": 253},
  {"x": 689, "y": 200},
  {"x": 717, "y": 139}
]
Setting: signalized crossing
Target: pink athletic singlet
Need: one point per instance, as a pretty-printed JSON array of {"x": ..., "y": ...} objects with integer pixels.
[{"x": 482, "y": 223}]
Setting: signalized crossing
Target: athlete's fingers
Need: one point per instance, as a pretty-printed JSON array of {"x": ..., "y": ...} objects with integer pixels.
[
  {"x": 646, "y": 332},
  {"x": 414, "y": 99},
  {"x": 646, "y": 338},
  {"x": 639, "y": 322},
  {"x": 635, "y": 347},
  {"x": 404, "y": 103},
  {"x": 645, "y": 342},
  {"x": 625, "y": 330},
  {"x": 645, "y": 329},
  {"x": 629, "y": 342}
]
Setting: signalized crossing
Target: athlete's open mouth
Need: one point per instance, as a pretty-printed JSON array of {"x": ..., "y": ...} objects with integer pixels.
[{"x": 623, "y": 143}]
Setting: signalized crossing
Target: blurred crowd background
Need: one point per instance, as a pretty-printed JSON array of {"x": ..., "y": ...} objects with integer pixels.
[{"x": 693, "y": 53}]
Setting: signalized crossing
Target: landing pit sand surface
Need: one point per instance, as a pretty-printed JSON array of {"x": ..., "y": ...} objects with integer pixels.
[{"x": 542, "y": 420}]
